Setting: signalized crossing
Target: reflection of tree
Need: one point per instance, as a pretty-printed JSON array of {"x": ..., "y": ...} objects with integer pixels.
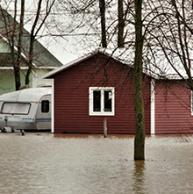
[{"x": 138, "y": 177}]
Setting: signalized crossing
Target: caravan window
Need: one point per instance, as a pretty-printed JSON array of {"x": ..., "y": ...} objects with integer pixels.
[
  {"x": 45, "y": 106},
  {"x": 15, "y": 108}
]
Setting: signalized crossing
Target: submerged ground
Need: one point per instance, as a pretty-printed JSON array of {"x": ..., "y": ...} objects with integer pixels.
[{"x": 44, "y": 164}]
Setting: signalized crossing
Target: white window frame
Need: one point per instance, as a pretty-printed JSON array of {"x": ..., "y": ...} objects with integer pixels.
[{"x": 102, "y": 112}]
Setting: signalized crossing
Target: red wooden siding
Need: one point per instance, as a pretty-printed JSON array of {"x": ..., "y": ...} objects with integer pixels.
[
  {"x": 172, "y": 108},
  {"x": 72, "y": 97}
]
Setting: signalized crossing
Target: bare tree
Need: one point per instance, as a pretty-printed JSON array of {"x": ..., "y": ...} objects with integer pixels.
[
  {"x": 130, "y": 21},
  {"x": 171, "y": 38},
  {"x": 102, "y": 7},
  {"x": 121, "y": 24},
  {"x": 13, "y": 31},
  {"x": 138, "y": 71},
  {"x": 20, "y": 36},
  {"x": 162, "y": 30},
  {"x": 35, "y": 29}
]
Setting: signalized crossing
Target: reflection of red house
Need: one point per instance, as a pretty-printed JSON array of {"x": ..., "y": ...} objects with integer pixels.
[{"x": 98, "y": 86}]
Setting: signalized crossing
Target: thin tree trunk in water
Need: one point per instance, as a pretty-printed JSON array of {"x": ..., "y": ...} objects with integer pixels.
[
  {"x": 139, "y": 143},
  {"x": 120, "y": 41},
  {"x": 103, "y": 23}
]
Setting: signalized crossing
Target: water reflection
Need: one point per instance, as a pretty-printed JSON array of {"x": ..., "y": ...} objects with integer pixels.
[
  {"x": 43, "y": 164},
  {"x": 138, "y": 177}
]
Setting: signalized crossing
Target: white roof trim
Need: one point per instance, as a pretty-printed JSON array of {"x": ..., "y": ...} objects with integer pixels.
[
  {"x": 22, "y": 54},
  {"x": 78, "y": 60},
  {"x": 48, "y": 67},
  {"x": 82, "y": 58},
  {"x": 11, "y": 68},
  {"x": 25, "y": 68}
]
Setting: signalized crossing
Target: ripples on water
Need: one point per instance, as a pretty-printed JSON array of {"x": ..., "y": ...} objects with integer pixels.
[{"x": 45, "y": 164}]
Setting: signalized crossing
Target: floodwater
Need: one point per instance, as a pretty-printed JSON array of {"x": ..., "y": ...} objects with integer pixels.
[{"x": 44, "y": 164}]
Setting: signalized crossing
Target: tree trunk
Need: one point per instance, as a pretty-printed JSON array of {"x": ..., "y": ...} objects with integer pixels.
[
  {"x": 19, "y": 46},
  {"x": 32, "y": 40},
  {"x": 30, "y": 60},
  {"x": 17, "y": 77},
  {"x": 103, "y": 23},
  {"x": 139, "y": 143},
  {"x": 121, "y": 24}
]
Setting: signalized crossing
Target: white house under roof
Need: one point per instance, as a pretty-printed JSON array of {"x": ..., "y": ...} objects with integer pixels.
[{"x": 43, "y": 60}]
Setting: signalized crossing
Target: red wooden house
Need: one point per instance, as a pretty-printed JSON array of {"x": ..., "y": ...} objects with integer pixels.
[{"x": 98, "y": 87}]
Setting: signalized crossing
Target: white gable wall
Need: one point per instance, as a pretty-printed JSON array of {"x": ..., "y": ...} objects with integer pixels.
[
  {"x": 4, "y": 47},
  {"x": 7, "y": 82},
  {"x": 37, "y": 80}
]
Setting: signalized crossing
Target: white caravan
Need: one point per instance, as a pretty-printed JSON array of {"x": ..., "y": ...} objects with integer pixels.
[{"x": 27, "y": 109}]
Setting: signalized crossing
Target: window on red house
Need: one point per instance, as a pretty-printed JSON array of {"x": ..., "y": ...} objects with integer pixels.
[{"x": 101, "y": 101}]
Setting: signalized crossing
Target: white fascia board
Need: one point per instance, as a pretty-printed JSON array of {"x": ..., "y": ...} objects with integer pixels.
[
  {"x": 72, "y": 63},
  {"x": 46, "y": 67},
  {"x": 191, "y": 101},
  {"x": 52, "y": 113},
  {"x": 25, "y": 68},
  {"x": 11, "y": 68}
]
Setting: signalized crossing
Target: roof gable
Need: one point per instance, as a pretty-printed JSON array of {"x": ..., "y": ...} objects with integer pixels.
[
  {"x": 42, "y": 57},
  {"x": 82, "y": 59}
]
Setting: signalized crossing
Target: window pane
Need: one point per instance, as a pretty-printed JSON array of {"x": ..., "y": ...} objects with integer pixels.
[
  {"x": 45, "y": 106},
  {"x": 108, "y": 101},
  {"x": 15, "y": 108},
  {"x": 96, "y": 101}
]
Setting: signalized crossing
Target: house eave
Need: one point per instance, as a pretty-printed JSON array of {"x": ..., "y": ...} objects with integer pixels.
[
  {"x": 70, "y": 64},
  {"x": 25, "y": 68},
  {"x": 85, "y": 57}
]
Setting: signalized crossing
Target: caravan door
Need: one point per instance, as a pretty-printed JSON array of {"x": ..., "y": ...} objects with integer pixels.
[{"x": 43, "y": 117}]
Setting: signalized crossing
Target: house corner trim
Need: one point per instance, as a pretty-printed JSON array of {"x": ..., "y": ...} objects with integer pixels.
[
  {"x": 152, "y": 116},
  {"x": 52, "y": 113}
]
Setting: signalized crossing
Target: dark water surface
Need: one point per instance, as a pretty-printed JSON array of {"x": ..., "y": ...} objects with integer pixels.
[{"x": 44, "y": 164}]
